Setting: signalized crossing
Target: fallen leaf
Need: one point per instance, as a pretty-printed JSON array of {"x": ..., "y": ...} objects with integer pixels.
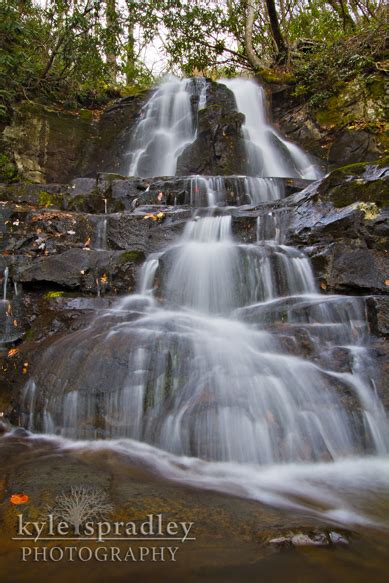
[
  {"x": 87, "y": 242},
  {"x": 12, "y": 352},
  {"x": 386, "y": 282},
  {"x": 104, "y": 279},
  {"x": 19, "y": 498}
]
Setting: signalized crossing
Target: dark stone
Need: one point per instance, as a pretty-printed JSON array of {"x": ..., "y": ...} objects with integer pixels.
[
  {"x": 378, "y": 314},
  {"x": 218, "y": 148},
  {"x": 353, "y": 146},
  {"x": 87, "y": 270},
  {"x": 361, "y": 270}
]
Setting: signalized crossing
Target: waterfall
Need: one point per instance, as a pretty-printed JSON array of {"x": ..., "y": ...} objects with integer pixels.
[
  {"x": 268, "y": 154},
  {"x": 166, "y": 127},
  {"x": 227, "y": 352}
]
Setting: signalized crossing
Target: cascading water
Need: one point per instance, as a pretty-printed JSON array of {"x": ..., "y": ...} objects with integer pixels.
[
  {"x": 268, "y": 154},
  {"x": 214, "y": 191},
  {"x": 166, "y": 127},
  {"x": 227, "y": 353},
  {"x": 193, "y": 378}
]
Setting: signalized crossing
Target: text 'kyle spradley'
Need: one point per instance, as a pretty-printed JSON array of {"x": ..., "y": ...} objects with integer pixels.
[{"x": 154, "y": 526}]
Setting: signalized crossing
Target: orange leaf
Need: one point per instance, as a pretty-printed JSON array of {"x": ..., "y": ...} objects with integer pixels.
[
  {"x": 19, "y": 498},
  {"x": 12, "y": 352},
  {"x": 386, "y": 282}
]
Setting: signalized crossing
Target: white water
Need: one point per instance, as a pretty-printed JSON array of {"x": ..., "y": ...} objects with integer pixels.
[
  {"x": 347, "y": 492},
  {"x": 166, "y": 127},
  {"x": 100, "y": 237},
  {"x": 215, "y": 191},
  {"x": 5, "y": 283},
  {"x": 268, "y": 153}
]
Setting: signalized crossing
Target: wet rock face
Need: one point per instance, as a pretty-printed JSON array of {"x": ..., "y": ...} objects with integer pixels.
[
  {"x": 56, "y": 146},
  {"x": 218, "y": 148},
  {"x": 343, "y": 222},
  {"x": 351, "y": 147}
]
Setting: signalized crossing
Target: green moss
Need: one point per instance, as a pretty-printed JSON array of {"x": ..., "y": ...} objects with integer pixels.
[
  {"x": 53, "y": 294},
  {"x": 29, "y": 335},
  {"x": 86, "y": 114},
  {"x": 342, "y": 190},
  {"x": 374, "y": 191},
  {"x": 132, "y": 257},
  {"x": 360, "y": 167},
  {"x": 48, "y": 199},
  {"x": 276, "y": 76},
  {"x": 8, "y": 170},
  {"x": 132, "y": 90},
  {"x": 358, "y": 104}
]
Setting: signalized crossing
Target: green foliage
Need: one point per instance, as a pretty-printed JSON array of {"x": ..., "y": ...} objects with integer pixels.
[
  {"x": 55, "y": 53},
  {"x": 323, "y": 72},
  {"x": 315, "y": 22},
  {"x": 83, "y": 53}
]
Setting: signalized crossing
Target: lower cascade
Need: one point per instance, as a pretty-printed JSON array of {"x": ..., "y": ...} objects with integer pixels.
[{"x": 203, "y": 360}]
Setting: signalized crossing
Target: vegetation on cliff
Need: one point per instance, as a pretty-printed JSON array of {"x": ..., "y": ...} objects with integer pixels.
[
  {"x": 81, "y": 53},
  {"x": 77, "y": 55}
]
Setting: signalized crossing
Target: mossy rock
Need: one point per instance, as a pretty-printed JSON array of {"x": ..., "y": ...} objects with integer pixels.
[
  {"x": 276, "y": 76},
  {"x": 347, "y": 185},
  {"x": 49, "y": 199},
  {"x": 133, "y": 256},
  {"x": 359, "y": 104},
  {"x": 8, "y": 170},
  {"x": 87, "y": 203},
  {"x": 375, "y": 191}
]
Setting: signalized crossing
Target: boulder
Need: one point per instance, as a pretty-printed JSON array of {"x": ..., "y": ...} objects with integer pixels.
[{"x": 82, "y": 269}]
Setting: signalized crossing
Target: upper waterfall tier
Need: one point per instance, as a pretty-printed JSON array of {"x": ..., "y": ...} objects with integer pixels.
[{"x": 194, "y": 126}]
